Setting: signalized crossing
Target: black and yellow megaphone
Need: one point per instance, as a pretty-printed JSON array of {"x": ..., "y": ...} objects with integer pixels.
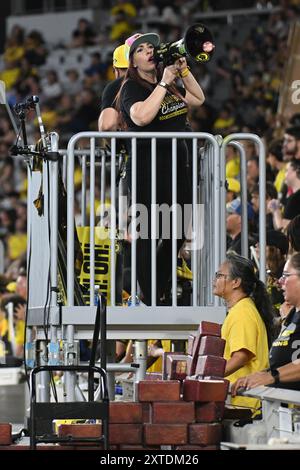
[{"x": 197, "y": 44}]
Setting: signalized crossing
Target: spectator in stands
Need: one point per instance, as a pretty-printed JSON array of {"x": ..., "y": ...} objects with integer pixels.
[
  {"x": 293, "y": 234},
  {"x": 248, "y": 325},
  {"x": 109, "y": 117},
  {"x": 73, "y": 85},
  {"x": 252, "y": 173},
  {"x": 150, "y": 100},
  {"x": 86, "y": 115},
  {"x": 233, "y": 189},
  {"x": 234, "y": 225},
  {"x": 291, "y": 144},
  {"x": 35, "y": 50},
  {"x": 284, "y": 369},
  {"x": 83, "y": 35},
  {"x": 51, "y": 86},
  {"x": 96, "y": 70},
  {"x": 123, "y": 15},
  {"x": 292, "y": 207},
  {"x": 271, "y": 193},
  {"x": 278, "y": 166}
]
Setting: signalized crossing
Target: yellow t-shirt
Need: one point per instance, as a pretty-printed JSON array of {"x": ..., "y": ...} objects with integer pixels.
[
  {"x": 244, "y": 328},
  {"x": 280, "y": 179}
]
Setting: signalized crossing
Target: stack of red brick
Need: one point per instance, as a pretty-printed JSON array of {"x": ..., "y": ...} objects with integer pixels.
[{"x": 185, "y": 413}]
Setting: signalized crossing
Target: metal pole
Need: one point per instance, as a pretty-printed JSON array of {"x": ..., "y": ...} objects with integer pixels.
[
  {"x": 174, "y": 222},
  {"x": 195, "y": 226},
  {"x": 83, "y": 191},
  {"x": 70, "y": 379},
  {"x": 133, "y": 221},
  {"x": 92, "y": 222},
  {"x": 262, "y": 196},
  {"x": 102, "y": 189},
  {"x": 113, "y": 224},
  {"x": 153, "y": 223},
  {"x": 244, "y": 202}
]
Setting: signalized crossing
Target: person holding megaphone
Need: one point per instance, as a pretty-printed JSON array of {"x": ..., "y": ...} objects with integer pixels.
[{"x": 155, "y": 97}]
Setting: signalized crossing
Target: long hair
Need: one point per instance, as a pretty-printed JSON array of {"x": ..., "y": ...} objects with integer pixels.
[
  {"x": 243, "y": 269},
  {"x": 133, "y": 74},
  {"x": 295, "y": 262},
  {"x": 293, "y": 233}
]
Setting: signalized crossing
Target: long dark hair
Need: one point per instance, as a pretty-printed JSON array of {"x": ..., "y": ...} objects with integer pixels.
[
  {"x": 132, "y": 73},
  {"x": 243, "y": 269},
  {"x": 293, "y": 233}
]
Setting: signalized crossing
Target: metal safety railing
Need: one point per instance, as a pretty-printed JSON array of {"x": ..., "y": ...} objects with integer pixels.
[
  {"x": 212, "y": 200},
  {"x": 207, "y": 232}
]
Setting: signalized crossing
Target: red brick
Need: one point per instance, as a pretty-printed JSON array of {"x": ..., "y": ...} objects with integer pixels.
[
  {"x": 191, "y": 365},
  {"x": 124, "y": 412},
  {"x": 209, "y": 412},
  {"x": 159, "y": 390},
  {"x": 204, "y": 390},
  {"x": 206, "y": 328},
  {"x": 5, "y": 434},
  {"x": 165, "y": 434},
  {"x": 174, "y": 366},
  {"x": 80, "y": 430},
  {"x": 125, "y": 433},
  {"x": 211, "y": 365},
  {"x": 190, "y": 344},
  {"x": 194, "y": 447},
  {"x": 211, "y": 345},
  {"x": 173, "y": 413},
  {"x": 205, "y": 434}
]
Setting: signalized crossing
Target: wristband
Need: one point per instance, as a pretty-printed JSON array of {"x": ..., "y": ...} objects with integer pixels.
[{"x": 184, "y": 73}]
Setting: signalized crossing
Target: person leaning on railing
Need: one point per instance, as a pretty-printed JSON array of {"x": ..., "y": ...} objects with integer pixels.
[
  {"x": 151, "y": 100},
  {"x": 284, "y": 371},
  {"x": 247, "y": 328}
]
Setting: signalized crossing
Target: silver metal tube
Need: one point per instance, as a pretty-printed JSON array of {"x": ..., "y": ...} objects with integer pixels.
[
  {"x": 195, "y": 226},
  {"x": 64, "y": 168},
  {"x": 215, "y": 156},
  {"x": 54, "y": 219},
  {"x": 262, "y": 196},
  {"x": 133, "y": 220},
  {"x": 83, "y": 191},
  {"x": 102, "y": 189},
  {"x": 174, "y": 222},
  {"x": 113, "y": 224},
  {"x": 223, "y": 247},
  {"x": 43, "y": 382},
  {"x": 92, "y": 222},
  {"x": 70, "y": 379},
  {"x": 244, "y": 202},
  {"x": 153, "y": 223},
  {"x": 140, "y": 357},
  {"x": 2, "y": 257}
]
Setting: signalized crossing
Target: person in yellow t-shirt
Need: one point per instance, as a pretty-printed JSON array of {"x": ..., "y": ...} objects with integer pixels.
[{"x": 248, "y": 326}]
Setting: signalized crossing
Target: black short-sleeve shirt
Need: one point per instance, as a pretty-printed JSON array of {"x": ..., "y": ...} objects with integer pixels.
[
  {"x": 292, "y": 207},
  {"x": 171, "y": 116},
  {"x": 110, "y": 92},
  {"x": 286, "y": 348}
]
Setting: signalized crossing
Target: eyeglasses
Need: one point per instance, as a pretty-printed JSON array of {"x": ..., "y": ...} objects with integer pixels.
[
  {"x": 285, "y": 276},
  {"x": 219, "y": 275}
]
